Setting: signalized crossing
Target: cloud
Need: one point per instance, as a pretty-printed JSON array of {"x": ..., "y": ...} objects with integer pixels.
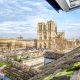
[
  {"x": 22, "y": 16},
  {"x": 1, "y": 1},
  {"x": 7, "y": 1},
  {"x": 26, "y": 9},
  {"x": 71, "y": 29},
  {"x": 15, "y": 27}
]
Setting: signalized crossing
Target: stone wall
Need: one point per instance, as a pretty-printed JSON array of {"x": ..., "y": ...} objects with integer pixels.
[
  {"x": 49, "y": 38},
  {"x": 17, "y": 43}
]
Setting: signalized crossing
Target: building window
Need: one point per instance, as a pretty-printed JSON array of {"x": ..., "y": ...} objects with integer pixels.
[
  {"x": 40, "y": 38},
  {"x": 49, "y": 27},
  {"x": 44, "y": 45},
  {"x": 40, "y": 45},
  {"x": 44, "y": 28},
  {"x": 40, "y": 27},
  {"x": 49, "y": 45},
  {"x": 45, "y": 37}
]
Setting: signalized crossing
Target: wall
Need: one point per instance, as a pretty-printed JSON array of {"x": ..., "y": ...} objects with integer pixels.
[{"x": 17, "y": 43}]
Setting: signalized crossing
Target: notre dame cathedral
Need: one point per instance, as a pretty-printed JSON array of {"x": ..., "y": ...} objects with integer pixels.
[{"x": 49, "y": 38}]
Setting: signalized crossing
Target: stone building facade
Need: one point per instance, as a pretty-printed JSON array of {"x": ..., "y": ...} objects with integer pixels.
[
  {"x": 6, "y": 43},
  {"x": 46, "y": 33},
  {"x": 49, "y": 38}
]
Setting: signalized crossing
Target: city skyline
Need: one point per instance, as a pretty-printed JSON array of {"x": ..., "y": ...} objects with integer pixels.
[{"x": 20, "y": 17}]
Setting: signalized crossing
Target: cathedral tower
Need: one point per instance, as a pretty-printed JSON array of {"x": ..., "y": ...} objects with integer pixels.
[{"x": 46, "y": 33}]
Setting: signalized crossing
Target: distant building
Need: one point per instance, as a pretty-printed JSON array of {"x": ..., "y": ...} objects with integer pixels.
[
  {"x": 6, "y": 43},
  {"x": 20, "y": 37},
  {"x": 49, "y": 38}
]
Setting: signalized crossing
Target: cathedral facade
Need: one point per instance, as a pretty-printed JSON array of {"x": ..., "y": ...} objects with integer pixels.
[
  {"x": 49, "y": 38},
  {"x": 46, "y": 34}
]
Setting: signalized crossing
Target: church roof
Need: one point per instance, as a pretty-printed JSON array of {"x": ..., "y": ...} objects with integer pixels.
[
  {"x": 59, "y": 34},
  {"x": 52, "y": 67},
  {"x": 53, "y": 55}
]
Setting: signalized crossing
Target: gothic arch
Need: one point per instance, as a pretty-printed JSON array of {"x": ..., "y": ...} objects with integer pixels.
[
  {"x": 45, "y": 45},
  {"x": 40, "y": 45},
  {"x": 45, "y": 37},
  {"x": 49, "y": 45},
  {"x": 40, "y": 27},
  {"x": 49, "y": 26}
]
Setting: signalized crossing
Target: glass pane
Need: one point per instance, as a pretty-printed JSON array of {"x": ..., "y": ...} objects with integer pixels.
[{"x": 73, "y": 3}]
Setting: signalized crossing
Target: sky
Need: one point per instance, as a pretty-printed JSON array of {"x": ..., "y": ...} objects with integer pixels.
[{"x": 20, "y": 17}]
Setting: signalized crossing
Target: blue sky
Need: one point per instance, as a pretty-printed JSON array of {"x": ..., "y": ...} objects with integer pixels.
[{"x": 20, "y": 17}]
